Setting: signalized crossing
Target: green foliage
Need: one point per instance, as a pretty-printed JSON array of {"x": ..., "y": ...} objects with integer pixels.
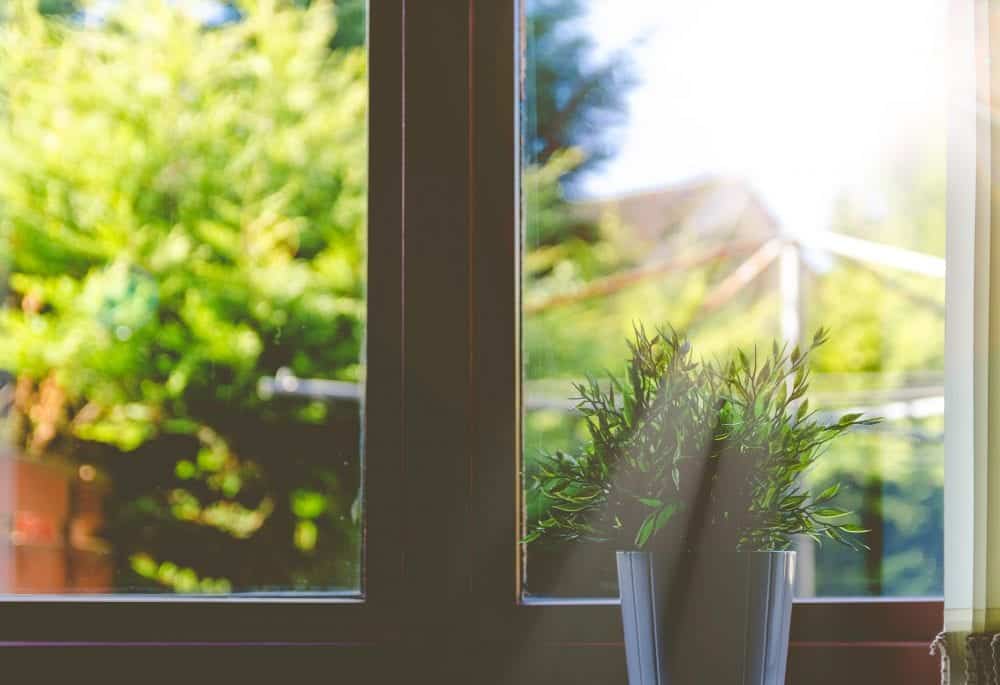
[
  {"x": 351, "y": 23},
  {"x": 723, "y": 445},
  {"x": 183, "y": 212}
]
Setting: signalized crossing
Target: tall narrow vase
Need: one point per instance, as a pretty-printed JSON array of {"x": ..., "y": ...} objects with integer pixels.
[
  {"x": 730, "y": 625},
  {"x": 642, "y": 603}
]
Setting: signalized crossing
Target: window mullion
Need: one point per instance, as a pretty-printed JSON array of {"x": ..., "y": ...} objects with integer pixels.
[{"x": 433, "y": 509}]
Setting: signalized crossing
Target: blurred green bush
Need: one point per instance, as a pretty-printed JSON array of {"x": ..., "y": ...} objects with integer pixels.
[{"x": 182, "y": 211}]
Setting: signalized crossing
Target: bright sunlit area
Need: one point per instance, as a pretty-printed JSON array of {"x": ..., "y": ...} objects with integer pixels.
[
  {"x": 802, "y": 100},
  {"x": 744, "y": 174}
]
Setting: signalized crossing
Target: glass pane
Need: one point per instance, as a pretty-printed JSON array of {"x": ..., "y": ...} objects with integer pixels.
[
  {"x": 743, "y": 175},
  {"x": 182, "y": 221}
]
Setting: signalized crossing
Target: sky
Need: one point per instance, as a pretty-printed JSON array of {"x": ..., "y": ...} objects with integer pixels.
[{"x": 799, "y": 98}]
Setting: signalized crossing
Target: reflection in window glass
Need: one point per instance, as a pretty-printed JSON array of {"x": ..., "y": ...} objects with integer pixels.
[
  {"x": 745, "y": 173},
  {"x": 182, "y": 221}
]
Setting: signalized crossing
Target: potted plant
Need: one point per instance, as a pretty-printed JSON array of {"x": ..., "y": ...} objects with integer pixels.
[{"x": 693, "y": 473}]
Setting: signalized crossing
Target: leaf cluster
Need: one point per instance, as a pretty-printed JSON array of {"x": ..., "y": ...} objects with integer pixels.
[
  {"x": 183, "y": 211},
  {"x": 712, "y": 450}
]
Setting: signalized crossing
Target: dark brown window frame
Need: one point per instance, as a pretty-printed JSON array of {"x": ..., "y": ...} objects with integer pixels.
[
  {"x": 442, "y": 428},
  {"x": 314, "y": 620}
]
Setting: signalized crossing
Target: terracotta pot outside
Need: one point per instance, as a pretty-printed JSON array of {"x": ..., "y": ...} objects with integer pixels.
[{"x": 49, "y": 521}]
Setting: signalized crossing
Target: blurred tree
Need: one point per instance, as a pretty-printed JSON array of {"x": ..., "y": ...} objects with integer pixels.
[
  {"x": 183, "y": 212},
  {"x": 351, "y": 23},
  {"x": 575, "y": 99}
]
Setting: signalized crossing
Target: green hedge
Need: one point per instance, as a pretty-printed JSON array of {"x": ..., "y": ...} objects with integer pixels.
[{"x": 183, "y": 212}]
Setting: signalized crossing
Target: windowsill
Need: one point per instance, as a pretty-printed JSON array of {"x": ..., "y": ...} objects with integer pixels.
[
  {"x": 350, "y": 598},
  {"x": 536, "y": 600}
]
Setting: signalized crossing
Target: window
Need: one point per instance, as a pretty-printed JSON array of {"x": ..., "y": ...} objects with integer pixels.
[
  {"x": 732, "y": 173},
  {"x": 665, "y": 146},
  {"x": 442, "y": 591},
  {"x": 341, "y": 604},
  {"x": 184, "y": 210}
]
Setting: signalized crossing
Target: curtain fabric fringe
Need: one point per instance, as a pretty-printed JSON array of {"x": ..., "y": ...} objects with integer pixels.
[{"x": 974, "y": 660}]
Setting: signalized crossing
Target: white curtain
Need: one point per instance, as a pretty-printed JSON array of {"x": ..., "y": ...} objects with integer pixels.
[{"x": 969, "y": 644}]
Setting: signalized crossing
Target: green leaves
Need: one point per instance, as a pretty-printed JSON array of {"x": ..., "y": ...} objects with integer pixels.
[
  {"x": 308, "y": 504},
  {"x": 830, "y": 512},
  {"x": 182, "y": 211},
  {"x": 653, "y": 524},
  {"x": 802, "y": 411},
  {"x": 531, "y": 537},
  {"x": 674, "y": 414},
  {"x": 186, "y": 210},
  {"x": 828, "y": 494},
  {"x": 853, "y": 529}
]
